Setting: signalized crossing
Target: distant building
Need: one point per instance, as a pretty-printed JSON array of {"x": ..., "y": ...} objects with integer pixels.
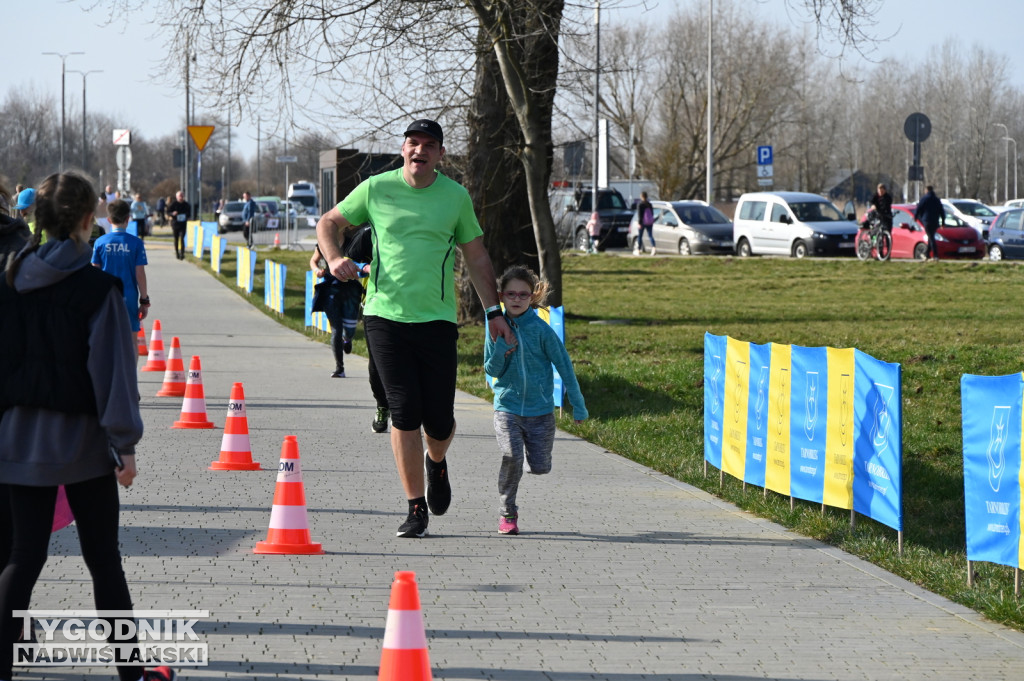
[{"x": 856, "y": 185}]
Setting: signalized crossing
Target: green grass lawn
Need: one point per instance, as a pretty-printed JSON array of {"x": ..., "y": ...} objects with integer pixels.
[{"x": 635, "y": 330}]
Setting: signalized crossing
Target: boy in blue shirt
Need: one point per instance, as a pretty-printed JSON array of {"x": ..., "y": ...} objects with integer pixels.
[{"x": 124, "y": 255}]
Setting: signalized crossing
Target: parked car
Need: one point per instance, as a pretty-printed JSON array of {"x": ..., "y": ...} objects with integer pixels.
[
  {"x": 1006, "y": 235},
  {"x": 791, "y": 223},
  {"x": 304, "y": 193},
  {"x": 954, "y": 239},
  {"x": 571, "y": 210},
  {"x": 231, "y": 217},
  {"x": 686, "y": 227},
  {"x": 974, "y": 213}
]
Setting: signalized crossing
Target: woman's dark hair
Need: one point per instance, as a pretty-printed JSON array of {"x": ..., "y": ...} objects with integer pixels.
[
  {"x": 63, "y": 200},
  {"x": 528, "y": 276}
]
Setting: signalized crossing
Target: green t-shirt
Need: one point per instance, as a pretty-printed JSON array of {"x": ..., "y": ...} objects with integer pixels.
[{"x": 415, "y": 234}]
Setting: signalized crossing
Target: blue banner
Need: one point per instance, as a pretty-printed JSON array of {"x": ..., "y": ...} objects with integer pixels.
[
  {"x": 991, "y": 407},
  {"x": 714, "y": 397},
  {"x": 878, "y": 440},
  {"x": 808, "y": 422}
]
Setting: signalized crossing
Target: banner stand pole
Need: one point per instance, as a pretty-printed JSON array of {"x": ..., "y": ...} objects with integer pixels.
[
  {"x": 721, "y": 478},
  {"x": 853, "y": 518},
  {"x": 791, "y": 506},
  {"x": 823, "y": 509},
  {"x": 1016, "y": 582},
  {"x": 970, "y": 573},
  {"x": 705, "y": 468},
  {"x": 899, "y": 538}
]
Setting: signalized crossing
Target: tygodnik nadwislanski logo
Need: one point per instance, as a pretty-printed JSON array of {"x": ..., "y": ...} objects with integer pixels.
[{"x": 65, "y": 638}]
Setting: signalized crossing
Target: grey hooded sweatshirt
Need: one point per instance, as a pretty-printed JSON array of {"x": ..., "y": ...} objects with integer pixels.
[{"x": 41, "y": 447}]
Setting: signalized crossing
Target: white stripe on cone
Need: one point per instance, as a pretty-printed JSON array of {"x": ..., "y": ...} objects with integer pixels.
[
  {"x": 288, "y": 517},
  {"x": 192, "y": 405},
  {"x": 239, "y": 442},
  {"x": 404, "y": 630}
]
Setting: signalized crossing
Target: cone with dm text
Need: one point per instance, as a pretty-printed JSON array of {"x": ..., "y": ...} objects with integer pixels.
[
  {"x": 156, "y": 360},
  {"x": 289, "y": 527},
  {"x": 174, "y": 377},
  {"x": 235, "y": 449},
  {"x": 405, "y": 642},
  {"x": 193, "y": 407},
  {"x": 141, "y": 337}
]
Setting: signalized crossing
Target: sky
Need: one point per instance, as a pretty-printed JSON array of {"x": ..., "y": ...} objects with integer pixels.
[{"x": 131, "y": 90}]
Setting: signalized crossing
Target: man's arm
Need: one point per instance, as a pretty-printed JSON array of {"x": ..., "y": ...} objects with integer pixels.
[
  {"x": 140, "y": 278},
  {"x": 481, "y": 273},
  {"x": 329, "y": 230}
]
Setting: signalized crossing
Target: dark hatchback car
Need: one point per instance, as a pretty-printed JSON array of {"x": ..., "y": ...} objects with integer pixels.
[
  {"x": 687, "y": 228},
  {"x": 1006, "y": 235},
  {"x": 571, "y": 210}
]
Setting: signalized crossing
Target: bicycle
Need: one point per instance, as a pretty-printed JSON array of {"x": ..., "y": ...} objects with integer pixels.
[{"x": 874, "y": 241}]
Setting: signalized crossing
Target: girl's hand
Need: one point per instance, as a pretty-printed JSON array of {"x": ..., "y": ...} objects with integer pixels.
[
  {"x": 126, "y": 474},
  {"x": 508, "y": 353}
]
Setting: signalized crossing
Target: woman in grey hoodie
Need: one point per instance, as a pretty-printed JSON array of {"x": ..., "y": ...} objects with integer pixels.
[{"x": 69, "y": 406}]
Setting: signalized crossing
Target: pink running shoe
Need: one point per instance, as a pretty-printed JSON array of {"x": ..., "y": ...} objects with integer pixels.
[{"x": 508, "y": 524}]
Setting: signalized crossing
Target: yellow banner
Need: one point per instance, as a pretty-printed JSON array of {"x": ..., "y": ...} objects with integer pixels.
[
  {"x": 838, "y": 489},
  {"x": 737, "y": 393},
  {"x": 776, "y": 474}
]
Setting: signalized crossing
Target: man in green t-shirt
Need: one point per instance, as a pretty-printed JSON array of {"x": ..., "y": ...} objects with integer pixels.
[{"x": 418, "y": 218}]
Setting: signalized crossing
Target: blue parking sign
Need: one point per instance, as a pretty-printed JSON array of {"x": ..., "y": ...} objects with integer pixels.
[{"x": 764, "y": 155}]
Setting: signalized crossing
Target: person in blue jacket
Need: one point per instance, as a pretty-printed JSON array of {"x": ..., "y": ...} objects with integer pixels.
[{"x": 524, "y": 407}]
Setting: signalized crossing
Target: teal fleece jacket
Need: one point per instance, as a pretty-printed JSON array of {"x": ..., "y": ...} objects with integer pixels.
[{"x": 524, "y": 382}]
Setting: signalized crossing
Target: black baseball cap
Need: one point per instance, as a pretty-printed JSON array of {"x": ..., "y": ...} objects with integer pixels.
[{"x": 427, "y": 127}]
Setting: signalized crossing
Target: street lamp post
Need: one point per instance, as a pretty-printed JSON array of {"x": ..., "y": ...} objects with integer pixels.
[
  {"x": 63, "y": 72},
  {"x": 85, "y": 145},
  {"x": 1006, "y": 163},
  {"x": 597, "y": 102},
  {"x": 1008, "y": 140},
  {"x": 709, "y": 190}
]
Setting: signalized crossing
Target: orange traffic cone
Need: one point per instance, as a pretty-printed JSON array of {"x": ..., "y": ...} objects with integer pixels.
[
  {"x": 141, "y": 336},
  {"x": 405, "y": 642},
  {"x": 156, "y": 360},
  {"x": 174, "y": 377},
  {"x": 235, "y": 450},
  {"x": 289, "y": 527},
  {"x": 193, "y": 407},
  {"x": 277, "y": 240}
]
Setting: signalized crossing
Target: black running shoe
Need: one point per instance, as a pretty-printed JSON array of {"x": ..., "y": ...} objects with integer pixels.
[
  {"x": 380, "y": 421},
  {"x": 416, "y": 524},
  {"x": 439, "y": 491}
]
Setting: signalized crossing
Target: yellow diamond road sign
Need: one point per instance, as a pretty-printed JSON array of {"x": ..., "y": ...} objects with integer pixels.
[{"x": 200, "y": 135}]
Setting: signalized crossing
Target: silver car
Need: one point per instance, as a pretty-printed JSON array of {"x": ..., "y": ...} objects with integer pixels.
[{"x": 686, "y": 228}]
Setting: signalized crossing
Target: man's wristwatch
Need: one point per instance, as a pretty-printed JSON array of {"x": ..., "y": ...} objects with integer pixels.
[{"x": 144, "y": 301}]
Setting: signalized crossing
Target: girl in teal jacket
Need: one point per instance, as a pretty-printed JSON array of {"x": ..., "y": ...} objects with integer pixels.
[{"x": 524, "y": 416}]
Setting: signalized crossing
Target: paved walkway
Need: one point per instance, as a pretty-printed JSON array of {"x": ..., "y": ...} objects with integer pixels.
[{"x": 621, "y": 574}]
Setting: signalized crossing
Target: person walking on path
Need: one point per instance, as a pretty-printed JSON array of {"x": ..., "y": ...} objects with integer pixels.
[
  {"x": 73, "y": 422},
  {"x": 161, "y": 211},
  {"x": 179, "y": 211},
  {"x": 140, "y": 214},
  {"x": 524, "y": 407},
  {"x": 931, "y": 214},
  {"x": 124, "y": 255},
  {"x": 418, "y": 217},
  {"x": 249, "y": 211},
  {"x": 645, "y": 218}
]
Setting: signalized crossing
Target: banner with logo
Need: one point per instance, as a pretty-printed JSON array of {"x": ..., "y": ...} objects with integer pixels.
[
  {"x": 819, "y": 424},
  {"x": 273, "y": 285},
  {"x": 992, "y": 417}
]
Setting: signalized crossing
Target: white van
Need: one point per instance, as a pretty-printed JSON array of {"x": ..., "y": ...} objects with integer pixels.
[
  {"x": 305, "y": 193},
  {"x": 791, "y": 223}
]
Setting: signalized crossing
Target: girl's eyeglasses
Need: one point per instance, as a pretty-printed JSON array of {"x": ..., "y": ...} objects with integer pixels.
[{"x": 520, "y": 295}]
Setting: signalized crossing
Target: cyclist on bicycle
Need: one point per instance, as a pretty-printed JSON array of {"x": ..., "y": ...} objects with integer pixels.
[{"x": 881, "y": 203}]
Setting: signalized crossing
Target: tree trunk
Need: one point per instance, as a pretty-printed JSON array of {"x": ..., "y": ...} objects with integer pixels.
[{"x": 495, "y": 179}]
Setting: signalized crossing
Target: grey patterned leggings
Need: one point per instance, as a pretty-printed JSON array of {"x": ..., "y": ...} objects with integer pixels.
[{"x": 521, "y": 437}]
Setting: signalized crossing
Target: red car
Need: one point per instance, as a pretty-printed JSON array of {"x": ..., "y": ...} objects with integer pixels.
[{"x": 955, "y": 238}]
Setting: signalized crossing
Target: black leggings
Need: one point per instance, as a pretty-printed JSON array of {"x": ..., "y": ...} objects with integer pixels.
[
  {"x": 179, "y": 239},
  {"x": 96, "y": 506}
]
